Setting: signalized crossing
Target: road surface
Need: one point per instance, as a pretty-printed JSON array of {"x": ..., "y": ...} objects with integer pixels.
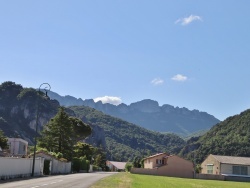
[{"x": 81, "y": 180}]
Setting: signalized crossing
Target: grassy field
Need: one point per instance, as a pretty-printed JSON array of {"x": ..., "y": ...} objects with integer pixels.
[{"x": 127, "y": 180}]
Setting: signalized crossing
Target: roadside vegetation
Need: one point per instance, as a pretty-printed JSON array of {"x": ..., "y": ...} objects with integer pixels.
[{"x": 127, "y": 180}]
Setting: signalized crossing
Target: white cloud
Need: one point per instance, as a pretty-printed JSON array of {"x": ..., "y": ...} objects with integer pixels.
[
  {"x": 179, "y": 78},
  {"x": 109, "y": 99},
  {"x": 188, "y": 20},
  {"x": 157, "y": 81}
]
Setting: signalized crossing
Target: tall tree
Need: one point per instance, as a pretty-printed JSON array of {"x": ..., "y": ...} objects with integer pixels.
[
  {"x": 3, "y": 140},
  {"x": 61, "y": 133}
]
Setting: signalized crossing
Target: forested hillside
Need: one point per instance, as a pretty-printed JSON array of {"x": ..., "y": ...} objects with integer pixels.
[
  {"x": 125, "y": 140},
  {"x": 230, "y": 137}
]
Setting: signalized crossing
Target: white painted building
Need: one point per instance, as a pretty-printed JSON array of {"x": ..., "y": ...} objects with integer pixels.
[{"x": 17, "y": 146}]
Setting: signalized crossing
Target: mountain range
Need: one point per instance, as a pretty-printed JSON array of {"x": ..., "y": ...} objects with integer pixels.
[
  {"x": 120, "y": 139},
  {"x": 148, "y": 114}
]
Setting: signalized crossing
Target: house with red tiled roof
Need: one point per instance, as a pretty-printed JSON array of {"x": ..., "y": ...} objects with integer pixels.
[
  {"x": 226, "y": 165},
  {"x": 156, "y": 160},
  {"x": 163, "y": 164}
]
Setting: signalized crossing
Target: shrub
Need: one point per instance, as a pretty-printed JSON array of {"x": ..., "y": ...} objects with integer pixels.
[{"x": 128, "y": 167}]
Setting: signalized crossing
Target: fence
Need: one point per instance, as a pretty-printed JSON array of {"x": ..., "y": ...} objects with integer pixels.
[
  {"x": 185, "y": 173},
  {"x": 210, "y": 177},
  {"x": 11, "y": 167}
]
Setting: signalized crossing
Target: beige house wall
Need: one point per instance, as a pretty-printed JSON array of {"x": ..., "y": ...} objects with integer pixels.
[
  {"x": 151, "y": 162},
  {"x": 226, "y": 169},
  {"x": 210, "y": 160},
  {"x": 175, "y": 167}
]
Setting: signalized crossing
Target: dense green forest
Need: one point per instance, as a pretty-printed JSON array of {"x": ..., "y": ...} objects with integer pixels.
[
  {"x": 125, "y": 140},
  {"x": 230, "y": 137}
]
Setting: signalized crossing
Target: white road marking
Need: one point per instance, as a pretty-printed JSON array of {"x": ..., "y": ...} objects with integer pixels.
[{"x": 48, "y": 184}]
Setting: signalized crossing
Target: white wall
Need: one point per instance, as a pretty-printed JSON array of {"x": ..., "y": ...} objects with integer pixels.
[
  {"x": 56, "y": 166},
  {"x": 59, "y": 167},
  {"x": 11, "y": 167}
]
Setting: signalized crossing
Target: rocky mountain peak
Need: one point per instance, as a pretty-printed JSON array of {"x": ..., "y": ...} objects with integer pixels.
[{"x": 146, "y": 105}]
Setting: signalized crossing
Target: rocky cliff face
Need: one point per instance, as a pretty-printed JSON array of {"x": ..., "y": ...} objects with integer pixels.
[
  {"x": 18, "y": 110},
  {"x": 148, "y": 114}
]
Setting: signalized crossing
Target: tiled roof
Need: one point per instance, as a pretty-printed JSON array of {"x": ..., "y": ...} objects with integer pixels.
[
  {"x": 118, "y": 165},
  {"x": 155, "y": 155},
  {"x": 232, "y": 160}
]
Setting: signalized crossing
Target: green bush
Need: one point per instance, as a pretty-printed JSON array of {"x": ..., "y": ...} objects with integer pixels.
[
  {"x": 80, "y": 164},
  {"x": 96, "y": 168},
  {"x": 128, "y": 167},
  {"x": 76, "y": 165}
]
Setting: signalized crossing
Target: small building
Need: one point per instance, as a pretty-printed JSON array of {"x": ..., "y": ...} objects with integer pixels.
[
  {"x": 116, "y": 166},
  {"x": 17, "y": 146},
  {"x": 56, "y": 166},
  {"x": 163, "y": 164},
  {"x": 226, "y": 165},
  {"x": 156, "y": 160}
]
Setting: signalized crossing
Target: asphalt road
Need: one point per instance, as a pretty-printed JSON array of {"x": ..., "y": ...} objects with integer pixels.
[{"x": 81, "y": 180}]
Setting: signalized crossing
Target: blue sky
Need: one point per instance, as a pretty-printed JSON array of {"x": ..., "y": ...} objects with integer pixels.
[{"x": 192, "y": 54}]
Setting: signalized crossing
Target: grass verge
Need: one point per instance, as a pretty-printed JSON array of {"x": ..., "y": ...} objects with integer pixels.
[
  {"x": 119, "y": 180},
  {"x": 127, "y": 180}
]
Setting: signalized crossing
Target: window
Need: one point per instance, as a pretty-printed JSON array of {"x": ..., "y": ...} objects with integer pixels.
[
  {"x": 158, "y": 161},
  {"x": 210, "y": 169},
  {"x": 240, "y": 170}
]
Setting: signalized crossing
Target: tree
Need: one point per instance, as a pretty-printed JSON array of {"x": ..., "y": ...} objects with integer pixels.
[
  {"x": 9, "y": 91},
  {"x": 136, "y": 162},
  {"x": 81, "y": 130},
  {"x": 3, "y": 140},
  {"x": 61, "y": 133},
  {"x": 83, "y": 149},
  {"x": 99, "y": 158}
]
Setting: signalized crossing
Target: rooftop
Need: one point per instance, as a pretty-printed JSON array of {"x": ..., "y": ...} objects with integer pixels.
[
  {"x": 156, "y": 155},
  {"x": 118, "y": 165},
  {"x": 232, "y": 160}
]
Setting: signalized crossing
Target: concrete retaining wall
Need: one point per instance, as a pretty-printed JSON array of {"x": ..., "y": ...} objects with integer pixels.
[{"x": 11, "y": 167}]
